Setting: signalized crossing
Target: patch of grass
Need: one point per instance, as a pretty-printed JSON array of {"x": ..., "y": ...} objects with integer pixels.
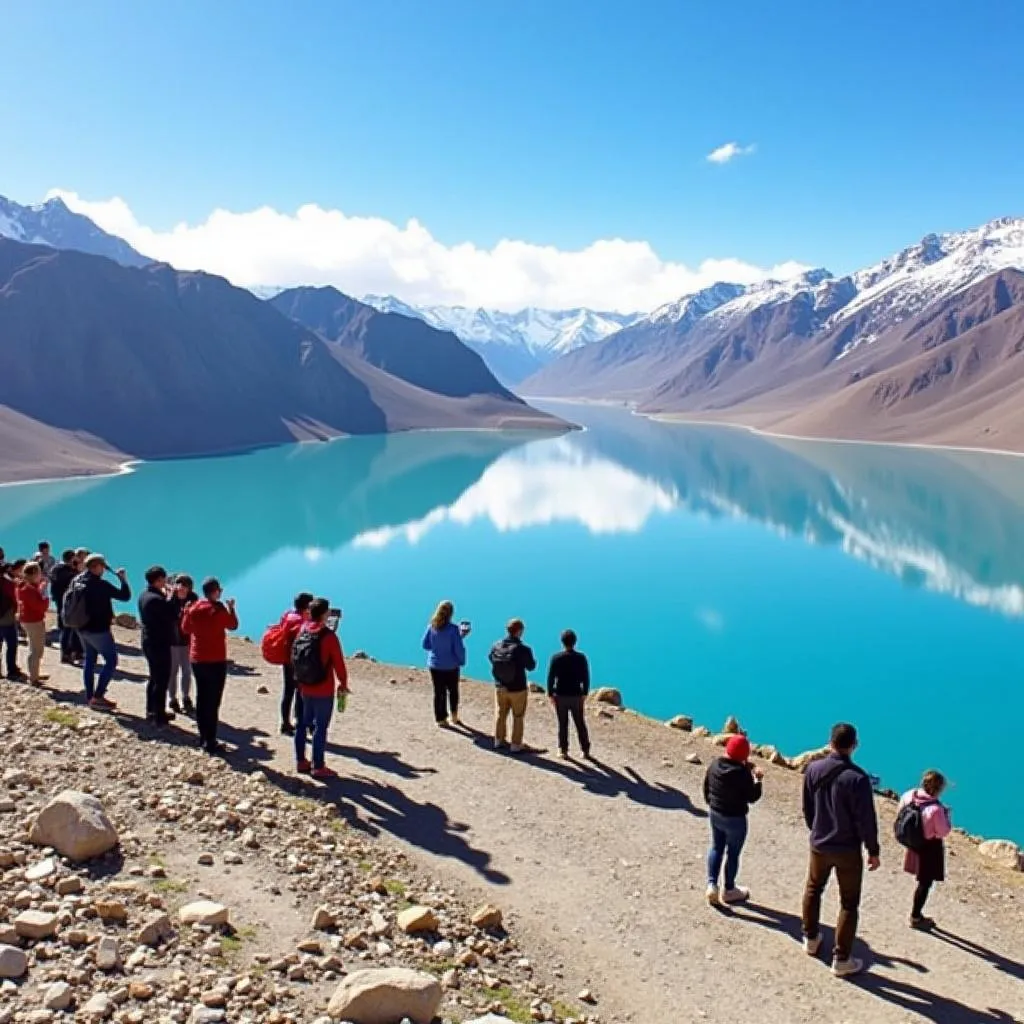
[
  {"x": 304, "y": 804},
  {"x": 232, "y": 941},
  {"x": 157, "y": 861},
  {"x": 169, "y": 886},
  {"x": 365, "y": 865},
  {"x": 564, "y": 1010},
  {"x": 441, "y": 966},
  {"x": 61, "y": 717},
  {"x": 395, "y": 887},
  {"x": 405, "y": 905},
  {"x": 515, "y": 1008}
]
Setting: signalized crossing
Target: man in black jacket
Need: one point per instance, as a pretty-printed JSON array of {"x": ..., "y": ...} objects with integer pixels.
[
  {"x": 568, "y": 686},
  {"x": 159, "y": 627},
  {"x": 510, "y": 660},
  {"x": 839, "y": 808},
  {"x": 731, "y": 785},
  {"x": 61, "y": 576},
  {"x": 97, "y": 638}
]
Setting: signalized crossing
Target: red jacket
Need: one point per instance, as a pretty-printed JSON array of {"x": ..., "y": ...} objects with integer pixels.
[
  {"x": 32, "y": 603},
  {"x": 206, "y": 623},
  {"x": 334, "y": 661}
]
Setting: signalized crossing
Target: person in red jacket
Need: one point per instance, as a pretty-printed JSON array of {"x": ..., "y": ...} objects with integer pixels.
[
  {"x": 32, "y": 605},
  {"x": 206, "y": 623},
  {"x": 317, "y": 697}
]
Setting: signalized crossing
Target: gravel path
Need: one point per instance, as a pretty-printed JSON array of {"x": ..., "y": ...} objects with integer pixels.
[{"x": 599, "y": 868}]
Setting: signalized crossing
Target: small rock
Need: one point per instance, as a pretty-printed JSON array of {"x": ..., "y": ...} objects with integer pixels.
[
  {"x": 68, "y": 886},
  {"x": 203, "y": 912},
  {"x": 1003, "y": 852},
  {"x": 155, "y": 929},
  {"x": 141, "y": 990},
  {"x": 57, "y": 996},
  {"x": 206, "y": 859},
  {"x": 693, "y": 758},
  {"x": 323, "y": 920},
  {"x": 111, "y": 910},
  {"x": 233, "y": 857},
  {"x": 35, "y": 924},
  {"x": 99, "y": 1006},
  {"x": 586, "y": 996},
  {"x": 13, "y": 962},
  {"x": 386, "y": 995},
  {"x": 44, "y": 869},
  {"x": 108, "y": 956},
  {"x": 683, "y": 722},
  {"x": 608, "y": 695},
  {"x": 487, "y": 917},
  {"x": 75, "y": 825},
  {"x": 417, "y": 919}
]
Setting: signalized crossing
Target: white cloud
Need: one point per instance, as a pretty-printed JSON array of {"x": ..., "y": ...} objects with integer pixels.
[
  {"x": 729, "y": 151},
  {"x": 370, "y": 255}
]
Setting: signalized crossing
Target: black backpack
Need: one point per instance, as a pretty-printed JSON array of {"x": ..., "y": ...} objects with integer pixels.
[
  {"x": 307, "y": 661},
  {"x": 503, "y": 663},
  {"x": 74, "y": 609},
  {"x": 6, "y": 604},
  {"x": 909, "y": 827}
]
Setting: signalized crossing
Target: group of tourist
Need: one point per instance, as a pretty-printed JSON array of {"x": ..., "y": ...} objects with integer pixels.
[{"x": 184, "y": 641}]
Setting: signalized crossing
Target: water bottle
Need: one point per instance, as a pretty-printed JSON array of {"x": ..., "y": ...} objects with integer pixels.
[{"x": 342, "y": 700}]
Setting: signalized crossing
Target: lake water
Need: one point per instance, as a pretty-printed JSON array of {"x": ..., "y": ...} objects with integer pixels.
[{"x": 708, "y": 571}]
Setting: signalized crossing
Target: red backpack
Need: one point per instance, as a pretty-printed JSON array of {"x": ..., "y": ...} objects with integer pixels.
[{"x": 276, "y": 644}]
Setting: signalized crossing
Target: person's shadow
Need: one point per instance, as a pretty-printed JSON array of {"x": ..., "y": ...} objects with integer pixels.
[
  {"x": 1001, "y": 963},
  {"x": 382, "y": 760}
]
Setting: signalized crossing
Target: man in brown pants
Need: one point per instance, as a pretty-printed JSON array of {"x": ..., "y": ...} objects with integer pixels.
[
  {"x": 510, "y": 660},
  {"x": 839, "y": 809}
]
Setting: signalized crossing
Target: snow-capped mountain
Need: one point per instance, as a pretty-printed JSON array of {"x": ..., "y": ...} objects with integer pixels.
[
  {"x": 52, "y": 223},
  {"x": 514, "y": 344}
]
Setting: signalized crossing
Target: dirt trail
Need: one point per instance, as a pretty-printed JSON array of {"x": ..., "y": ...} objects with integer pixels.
[{"x": 599, "y": 869}]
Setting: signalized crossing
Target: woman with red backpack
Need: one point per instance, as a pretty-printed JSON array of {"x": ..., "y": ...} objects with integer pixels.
[
  {"x": 277, "y": 650},
  {"x": 922, "y": 822}
]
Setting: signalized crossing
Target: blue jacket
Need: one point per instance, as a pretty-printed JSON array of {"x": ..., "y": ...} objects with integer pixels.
[
  {"x": 447, "y": 651},
  {"x": 839, "y": 806}
]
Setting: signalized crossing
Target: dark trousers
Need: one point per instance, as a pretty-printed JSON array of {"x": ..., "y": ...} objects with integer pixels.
[
  {"x": 849, "y": 868},
  {"x": 9, "y": 636},
  {"x": 290, "y": 696},
  {"x": 566, "y": 707},
  {"x": 920, "y": 897},
  {"x": 70, "y": 645},
  {"x": 446, "y": 692},
  {"x": 210, "y": 677},
  {"x": 159, "y": 661}
]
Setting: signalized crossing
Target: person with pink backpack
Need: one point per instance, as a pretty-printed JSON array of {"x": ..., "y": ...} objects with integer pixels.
[{"x": 922, "y": 823}]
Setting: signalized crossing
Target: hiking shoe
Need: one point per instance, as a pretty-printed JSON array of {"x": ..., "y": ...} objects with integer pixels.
[
  {"x": 216, "y": 750},
  {"x": 304, "y": 767},
  {"x": 190, "y": 708},
  {"x": 736, "y": 895},
  {"x": 287, "y": 729},
  {"x": 517, "y": 748},
  {"x": 811, "y": 946},
  {"x": 711, "y": 895},
  {"x": 102, "y": 704},
  {"x": 844, "y": 968},
  {"x": 454, "y": 720},
  {"x": 922, "y": 924},
  {"x": 324, "y": 773},
  {"x": 500, "y": 745},
  {"x": 442, "y": 723},
  {"x": 17, "y": 677},
  {"x": 564, "y": 755},
  {"x": 175, "y": 707}
]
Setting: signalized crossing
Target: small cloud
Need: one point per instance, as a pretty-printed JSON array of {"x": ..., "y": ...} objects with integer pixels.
[{"x": 728, "y": 152}]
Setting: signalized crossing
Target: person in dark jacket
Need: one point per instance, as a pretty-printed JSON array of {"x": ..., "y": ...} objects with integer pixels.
[
  {"x": 568, "y": 686},
  {"x": 180, "y": 685},
  {"x": 9, "y": 619},
  {"x": 293, "y": 620},
  {"x": 839, "y": 809},
  {"x": 510, "y": 660},
  {"x": 731, "y": 785},
  {"x": 97, "y": 638},
  {"x": 156, "y": 613},
  {"x": 206, "y": 624},
  {"x": 61, "y": 576}
]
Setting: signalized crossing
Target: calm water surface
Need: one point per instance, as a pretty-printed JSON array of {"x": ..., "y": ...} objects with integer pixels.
[{"x": 708, "y": 571}]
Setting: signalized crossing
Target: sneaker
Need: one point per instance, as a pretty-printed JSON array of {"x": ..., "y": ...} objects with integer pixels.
[
  {"x": 190, "y": 708},
  {"x": 588, "y": 756},
  {"x": 304, "y": 767},
  {"x": 287, "y": 729},
  {"x": 516, "y": 748},
  {"x": 166, "y": 718},
  {"x": 454, "y": 720},
  {"x": 564, "y": 755},
  {"x": 736, "y": 895},
  {"x": 500, "y": 745},
  {"x": 217, "y": 750},
  {"x": 324, "y": 773},
  {"x": 442, "y": 723},
  {"x": 17, "y": 676},
  {"x": 174, "y": 706},
  {"x": 844, "y": 968},
  {"x": 711, "y": 895},
  {"x": 922, "y": 924},
  {"x": 102, "y": 704},
  {"x": 811, "y": 946}
]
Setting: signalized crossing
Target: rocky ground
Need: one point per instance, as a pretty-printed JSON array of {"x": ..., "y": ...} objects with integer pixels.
[{"x": 595, "y": 870}]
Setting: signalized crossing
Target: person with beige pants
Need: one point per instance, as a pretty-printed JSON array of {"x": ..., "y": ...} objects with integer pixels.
[
  {"x": 32, "y": 605},
  {"x": 510, "y": 661}
]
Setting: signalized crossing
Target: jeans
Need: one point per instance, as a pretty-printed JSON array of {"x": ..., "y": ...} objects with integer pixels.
[
  {"x": 446, "y": 692},
  {"x": 159, "y": 661},
  {"x": 36, "y": 633},
  {"x": 316, "y": 715},
  {"x": 566, "y": 707},
  {"x": 9, "y": 636},
  {"x": 180, "y": 682},
  {"x": 210, "y": 679},
  {"x": 98, "y": 645},
  {"x": 727, "y": 838},
  {"x": 849, "y": 869},
  {"x": 514, "y": 703},
  {"x": 290, "y": 697}
]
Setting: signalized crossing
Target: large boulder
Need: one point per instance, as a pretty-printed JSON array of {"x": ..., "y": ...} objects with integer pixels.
[
  {"x": 75, "y": 825},
  {"x": 608, "y": 695},
  {"x": 1003, "y": 852},
  {"x": 801, "y": 761},
  {"x": 683, "y": 722},
  {"x": 386, "y": 995}
]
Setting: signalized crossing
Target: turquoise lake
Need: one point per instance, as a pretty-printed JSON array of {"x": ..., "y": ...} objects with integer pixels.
[{"x": 708, "y": 571}]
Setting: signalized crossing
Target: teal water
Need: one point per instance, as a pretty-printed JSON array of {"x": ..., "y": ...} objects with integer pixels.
[{"x": 708, "y": 571}]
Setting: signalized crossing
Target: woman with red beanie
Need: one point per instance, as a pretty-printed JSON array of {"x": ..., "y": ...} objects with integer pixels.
[{"x": 731, "y": 785}]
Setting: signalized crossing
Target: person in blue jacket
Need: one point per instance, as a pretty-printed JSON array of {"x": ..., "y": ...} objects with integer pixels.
[{"x": 446, "y": 657}]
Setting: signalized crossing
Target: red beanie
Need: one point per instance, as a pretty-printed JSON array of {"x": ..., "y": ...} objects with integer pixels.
[{"x": 737, "y": 748}]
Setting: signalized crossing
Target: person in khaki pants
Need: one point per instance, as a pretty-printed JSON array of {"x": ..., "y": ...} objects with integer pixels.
[
  {"x": 510, "y": 661},
  {"x": 32, "y": 605}
]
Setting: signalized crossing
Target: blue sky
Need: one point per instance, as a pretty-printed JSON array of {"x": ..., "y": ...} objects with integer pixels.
[{"x": 556, "y": 122}]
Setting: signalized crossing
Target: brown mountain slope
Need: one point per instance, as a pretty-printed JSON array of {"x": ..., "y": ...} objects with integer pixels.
[{"x": 154, "y": 362}]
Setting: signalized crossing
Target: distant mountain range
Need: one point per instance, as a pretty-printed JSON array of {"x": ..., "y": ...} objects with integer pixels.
[
  {"x": 927, "y": 345},
  {"x": 103, "y": 362},
  {"x": 52, "y": 223},
  {"x": 514, "y": 345}
]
